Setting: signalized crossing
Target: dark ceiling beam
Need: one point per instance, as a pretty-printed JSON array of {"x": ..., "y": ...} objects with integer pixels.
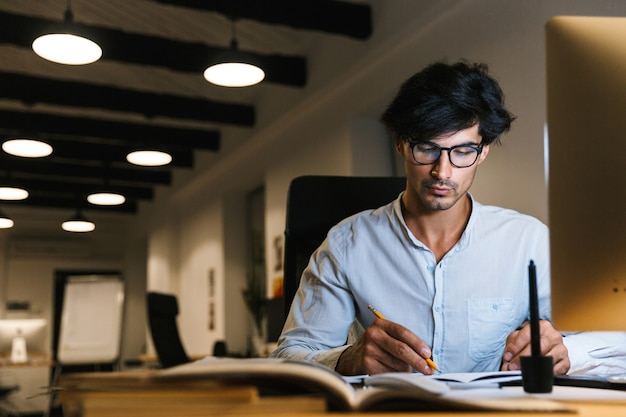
[
  {"x": 148, "y": 50},
  {"x": 70, "y": 202},
  {"x": 32, "y": 90},
  {"x": 338, "y": 17},
  {"x": 44, "y": 126},
  {"x": 109, "y": 154},
  {"x": 13, "y": 167},
  {"x": 76, "y": 187}
]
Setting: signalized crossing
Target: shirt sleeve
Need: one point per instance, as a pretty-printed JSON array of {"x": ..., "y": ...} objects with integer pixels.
[
  {"x": 323, "y": 311},
  {"x": 596, "y": 353}
]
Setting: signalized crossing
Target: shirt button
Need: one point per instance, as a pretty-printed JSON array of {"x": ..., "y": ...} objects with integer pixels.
[
  {"x": 431, "y": 268},
  {"x": 496, "y": 306}
]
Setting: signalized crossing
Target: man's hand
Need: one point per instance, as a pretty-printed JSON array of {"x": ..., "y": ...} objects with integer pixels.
[
  {"x": 385, "y": 347},
  {"x": 518, "y": 344}
]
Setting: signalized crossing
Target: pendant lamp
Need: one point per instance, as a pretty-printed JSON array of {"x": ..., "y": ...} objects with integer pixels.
[
  {"x": 64, "y": 44},
  {"x": 78, "y": 224},
  {"x": 149, "y": 158},
  {"x": 13, "y": 193},
  {"x": 5, "y": 221},
  {"x": 27, "y": 148},
  {"x": 106, "y": 199},
  {"x": 234, "y": 68}
]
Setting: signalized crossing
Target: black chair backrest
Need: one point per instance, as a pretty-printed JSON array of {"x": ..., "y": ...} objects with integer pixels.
[
  {"x": 220, "y": 348},
  {"x": 315, "y": 204},
  {"x": 162, "y": 312}
]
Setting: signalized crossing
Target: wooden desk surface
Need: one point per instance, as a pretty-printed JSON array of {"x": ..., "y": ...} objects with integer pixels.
[
  {"x": 129, "y": 405},
  {"x": 153, "y": 358},
  {"x": 33, "y": 360},
  {"x": 131, "y": 394},
  {"x": 579, "y": 409},
  {"x": 279, "y": 407}
]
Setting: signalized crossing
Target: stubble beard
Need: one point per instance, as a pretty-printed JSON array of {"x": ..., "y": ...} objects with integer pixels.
[{"x": 434, "y": 202}]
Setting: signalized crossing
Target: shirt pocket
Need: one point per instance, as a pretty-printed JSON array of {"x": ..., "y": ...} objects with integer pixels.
[{"x": 490, "y": 321}]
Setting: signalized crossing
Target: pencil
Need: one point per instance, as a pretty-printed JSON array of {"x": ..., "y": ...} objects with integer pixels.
[{"x": 378, "y": 314}]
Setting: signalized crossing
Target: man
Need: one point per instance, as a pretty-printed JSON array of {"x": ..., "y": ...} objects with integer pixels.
[{"x": 449, "y": 274}]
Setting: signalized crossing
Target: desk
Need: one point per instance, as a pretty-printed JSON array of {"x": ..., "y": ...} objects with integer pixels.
[
  {"x": 129, "y": 394},
  {"x": 31, "y": 377},
  {"x": 152, "y": 360},
  {"x": 277, "y": 408}
]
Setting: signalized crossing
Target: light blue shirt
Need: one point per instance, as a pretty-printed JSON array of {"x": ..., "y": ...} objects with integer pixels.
[{"x": 464, "y": 307}]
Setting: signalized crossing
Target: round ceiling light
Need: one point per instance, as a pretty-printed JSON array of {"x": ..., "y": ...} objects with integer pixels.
[
  {"x": 27, "y": 148},
  {"x": 149, "y": 158},
  {"x": 234, "y": 74},
  {"x": 13, "y": 193},
  {"x": 67, "y": 48},
  {"x": 78, "y": 224},
  {"x": 5, "y": 221},
  {"x": 106, "y": 199}
]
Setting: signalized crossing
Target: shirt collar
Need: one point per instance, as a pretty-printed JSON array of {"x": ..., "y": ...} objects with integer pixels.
[{"x": 466, "y": 237}]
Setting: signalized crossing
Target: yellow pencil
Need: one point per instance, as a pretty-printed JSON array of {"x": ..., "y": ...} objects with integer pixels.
[
  {"x": 432, "y": 364},
  {"x": 378, "y": 314}
]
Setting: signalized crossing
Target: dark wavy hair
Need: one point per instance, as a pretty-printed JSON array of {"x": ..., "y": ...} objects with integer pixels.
[{"x": 444, "y": 98}]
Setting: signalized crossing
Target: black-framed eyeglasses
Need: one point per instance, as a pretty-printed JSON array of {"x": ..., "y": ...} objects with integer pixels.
[{"x": 460, "y": 156}]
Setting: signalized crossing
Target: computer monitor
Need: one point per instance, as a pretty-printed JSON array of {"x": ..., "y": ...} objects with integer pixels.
[
  {"x": 586, "y": 104},
  {"x": 21, "y": 338}
]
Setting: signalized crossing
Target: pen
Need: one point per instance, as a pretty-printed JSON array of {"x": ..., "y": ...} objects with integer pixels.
[
  {"x": 537, "y": 370},
  {"x": 378, "y": 314},
  {"x": 535, "y": 337}
]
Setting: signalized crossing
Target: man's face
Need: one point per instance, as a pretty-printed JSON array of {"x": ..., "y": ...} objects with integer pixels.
[{"x": 440, "y": 185}]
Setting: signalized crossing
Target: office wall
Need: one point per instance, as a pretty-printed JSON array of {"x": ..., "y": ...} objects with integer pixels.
[
  {"x": 202, "y": 253},
  {"x": 30, "y": 277}
]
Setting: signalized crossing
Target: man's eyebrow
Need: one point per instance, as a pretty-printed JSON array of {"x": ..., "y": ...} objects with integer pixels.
[{"x": 474, "y": 144}]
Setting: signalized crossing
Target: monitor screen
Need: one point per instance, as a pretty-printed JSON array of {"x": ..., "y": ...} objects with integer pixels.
[
  {"x": 586, "y": 104},
  {"x": 33, "y": 332}
]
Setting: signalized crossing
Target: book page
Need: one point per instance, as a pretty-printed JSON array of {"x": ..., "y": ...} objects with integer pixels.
[
  {"x": 439, "y": 383},
  {"x": 474, "y": 377},
  {"x": 403, "y": 380}
]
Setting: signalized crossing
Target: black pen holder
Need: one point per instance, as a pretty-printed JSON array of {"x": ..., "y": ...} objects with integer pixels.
[{"x": 537, "y": 374}]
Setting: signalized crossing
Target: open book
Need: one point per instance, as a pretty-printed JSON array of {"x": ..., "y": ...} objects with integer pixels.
[
  {"x": 380, "y": 393},
  {"x": 468, "y": 380}
]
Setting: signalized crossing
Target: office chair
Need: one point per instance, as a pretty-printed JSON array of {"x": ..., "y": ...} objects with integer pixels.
[
  {"x": 220, "y": 348},
  {"x": 314, "y": 205},
  {"x": 162, "y": 312},
  {"x": 7, "y": 408}
]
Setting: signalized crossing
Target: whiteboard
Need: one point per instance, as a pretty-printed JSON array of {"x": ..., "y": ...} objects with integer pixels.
[{"x": 91, "y": 321}]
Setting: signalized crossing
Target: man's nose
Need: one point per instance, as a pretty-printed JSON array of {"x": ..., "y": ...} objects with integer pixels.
[{"x": 442, "y": 168}]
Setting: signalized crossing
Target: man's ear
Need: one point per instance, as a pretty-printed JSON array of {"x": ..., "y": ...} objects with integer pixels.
[
  {"x": 400, "y": 147},
  {"x": 483, "y": 154}
]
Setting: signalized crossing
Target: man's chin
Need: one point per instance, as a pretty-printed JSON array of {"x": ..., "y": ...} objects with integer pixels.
[{"x": 439, "y": 203}]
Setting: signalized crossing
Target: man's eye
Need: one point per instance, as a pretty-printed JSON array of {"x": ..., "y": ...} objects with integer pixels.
[
  {"x": 428, "y": 149},
  {"x": 464, "y": 151}
]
